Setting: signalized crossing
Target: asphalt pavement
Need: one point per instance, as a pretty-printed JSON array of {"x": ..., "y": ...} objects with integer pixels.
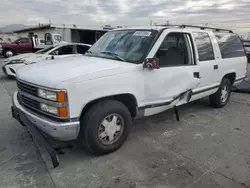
[{"x": 207, "y": 148}]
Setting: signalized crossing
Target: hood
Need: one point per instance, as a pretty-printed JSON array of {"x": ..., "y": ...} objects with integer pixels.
[
  {"x": 28, "y": 57},
  {"x": 54, "y": 72},
  {"x": 21, "y": 56}
]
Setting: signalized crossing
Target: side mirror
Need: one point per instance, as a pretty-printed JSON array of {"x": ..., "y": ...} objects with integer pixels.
[{"x": 151, "y": 63}]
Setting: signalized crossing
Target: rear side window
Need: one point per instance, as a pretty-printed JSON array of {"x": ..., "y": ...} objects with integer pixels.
[
  {"x": 230, "y": 45},
  {"x": 204, "y": 45}
]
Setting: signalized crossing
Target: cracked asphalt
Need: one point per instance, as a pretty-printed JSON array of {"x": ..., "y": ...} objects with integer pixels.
[{"x": 207, "y": 148}]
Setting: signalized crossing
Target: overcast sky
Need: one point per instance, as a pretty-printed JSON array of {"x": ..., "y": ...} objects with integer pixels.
[{"x": 224, "y": 13}]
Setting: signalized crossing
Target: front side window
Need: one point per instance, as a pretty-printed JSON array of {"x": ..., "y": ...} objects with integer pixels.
[
  {"x": 81, "y": 49},
  {"x": 124, "y": 45},
  {"x": 64, "y": 50},
  {"x": 22, "y": 40},
  {"x": 175, "y": 50},
  {"x": 230, "y": 45},
  {"x": 204, "y": 45}
]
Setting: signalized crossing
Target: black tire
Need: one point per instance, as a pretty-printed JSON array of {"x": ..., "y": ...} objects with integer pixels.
[
  {"x": 6, "y": 51},
  {"x": 91, "y": 121},
  {"x": 216, "y": 99}
]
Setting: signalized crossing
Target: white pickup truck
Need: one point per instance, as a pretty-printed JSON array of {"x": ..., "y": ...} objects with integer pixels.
[{"x": 127, "y": 73}]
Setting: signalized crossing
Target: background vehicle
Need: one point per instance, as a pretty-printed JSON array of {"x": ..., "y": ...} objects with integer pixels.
[
  {"x": 128, "y": 73},
  {"x": 62, "y": 50},
  {"x": 29, "y": 44},
  {"x": 247, "y": 49}
]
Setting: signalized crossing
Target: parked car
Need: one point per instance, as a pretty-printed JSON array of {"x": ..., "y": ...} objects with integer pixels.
[
  {"x": 247, "y": 49},
  {"x": 27, "y": 45},
  {"x": 10, "y": 65},
  {"x": 127, "y": 73}
]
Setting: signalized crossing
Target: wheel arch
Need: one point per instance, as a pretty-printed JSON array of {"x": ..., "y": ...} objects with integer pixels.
[
  {"x": 231, "y": 76},
  {"x": 128, "y": 99},
  {"x": 8, "y": 48}
]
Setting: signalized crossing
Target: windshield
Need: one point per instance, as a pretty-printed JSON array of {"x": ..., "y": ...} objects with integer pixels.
[
  {"x": 43, "y": 51},
  {"x": 125, "y": 45}
]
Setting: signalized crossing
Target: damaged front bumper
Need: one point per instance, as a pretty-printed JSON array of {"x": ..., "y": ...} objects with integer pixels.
[{"x": 39, "y": 127}]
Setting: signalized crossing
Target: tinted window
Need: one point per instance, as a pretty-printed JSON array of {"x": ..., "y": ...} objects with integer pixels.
[
  {"x": 230, "y": 45},
  {"x": 64, "y": 50},
  {"x": 23, "y": 40},
  {"x": 204, "y": 45},
  {"x": 174, "y": 51},
  {"x": 82, "y": 49}
]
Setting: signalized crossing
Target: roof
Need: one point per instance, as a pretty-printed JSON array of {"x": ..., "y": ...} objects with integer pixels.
[
  {"x": 73, "y": 43},
  {"x": 33, "y": 28},
  {"x": 185, "y": 27},
  {"x": 68, "y": 26}
]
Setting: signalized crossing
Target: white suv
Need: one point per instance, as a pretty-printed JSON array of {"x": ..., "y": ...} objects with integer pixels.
[{"x": 126, "y": 74}]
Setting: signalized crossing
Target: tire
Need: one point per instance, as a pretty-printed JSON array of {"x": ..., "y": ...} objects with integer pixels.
[
  {"x": 92, "y": 127},
  {"x": 221, "y": 98},
  {"x": 7, "y": 52}
]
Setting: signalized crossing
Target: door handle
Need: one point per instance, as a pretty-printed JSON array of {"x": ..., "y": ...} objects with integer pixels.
[
  {"x": 197, "y": 75},
  {"x": 216, "y": 67}
]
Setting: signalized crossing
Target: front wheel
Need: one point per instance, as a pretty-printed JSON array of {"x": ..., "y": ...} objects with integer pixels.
[
  {"x": 105, "y": 127},
  {"x": 221, "y": 97},
  {"x": 8, "y": 53}
]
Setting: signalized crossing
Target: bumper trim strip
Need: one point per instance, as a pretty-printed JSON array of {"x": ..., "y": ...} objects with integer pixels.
[{"x": 37, "y": 136}]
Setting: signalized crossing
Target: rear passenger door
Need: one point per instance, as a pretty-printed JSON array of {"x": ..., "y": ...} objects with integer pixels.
[{"x": 208, "y": 58}]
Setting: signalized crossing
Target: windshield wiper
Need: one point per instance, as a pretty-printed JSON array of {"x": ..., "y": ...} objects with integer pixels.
[{"x": 114, "y": 55}]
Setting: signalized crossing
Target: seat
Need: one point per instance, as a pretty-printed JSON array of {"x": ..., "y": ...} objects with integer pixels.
[{"x": 172, "y": 57}]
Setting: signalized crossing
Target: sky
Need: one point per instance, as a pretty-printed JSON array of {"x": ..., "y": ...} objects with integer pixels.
[{"x": 231, "y": 14}]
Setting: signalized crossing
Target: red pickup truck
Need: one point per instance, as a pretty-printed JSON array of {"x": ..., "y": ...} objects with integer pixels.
[{"x": 21, "y": 45}]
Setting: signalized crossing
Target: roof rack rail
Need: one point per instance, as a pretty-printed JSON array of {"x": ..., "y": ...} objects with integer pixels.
[{"x": 201, "y": 27}]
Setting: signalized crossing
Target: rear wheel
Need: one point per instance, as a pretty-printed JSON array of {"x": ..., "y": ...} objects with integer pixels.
[
  {"x": 105, "y": 127},
  {"x": 8, "y": 53},
  {"x": 221, "y": 97}
]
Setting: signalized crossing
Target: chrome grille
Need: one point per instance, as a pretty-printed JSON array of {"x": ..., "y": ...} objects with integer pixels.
[
  {"x": 32, "y": 90},
  {"x": 30, "y": 102},
  {"x": 27, "y": 102}
]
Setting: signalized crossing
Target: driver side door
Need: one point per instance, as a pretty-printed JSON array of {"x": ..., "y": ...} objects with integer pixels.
[{"x": 172, "y": 84}]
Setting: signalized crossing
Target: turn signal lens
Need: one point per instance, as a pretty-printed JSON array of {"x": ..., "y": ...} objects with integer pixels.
[
  {"x": 61, "y": 96},
  {"x": 62, "y": 112}
]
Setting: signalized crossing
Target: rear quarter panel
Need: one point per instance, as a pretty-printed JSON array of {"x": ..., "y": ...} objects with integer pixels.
[{"x": 237, "y": 65}]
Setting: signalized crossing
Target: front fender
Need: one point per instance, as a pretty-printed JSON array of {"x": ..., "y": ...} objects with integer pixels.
[{"x": 81, "y": 94}]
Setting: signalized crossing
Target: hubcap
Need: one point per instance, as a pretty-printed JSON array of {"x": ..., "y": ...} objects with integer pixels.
[
  {"x": 110, "y": 129},
  {"x": 9, "y": 53},
  {"x": 224, "y": 94}
]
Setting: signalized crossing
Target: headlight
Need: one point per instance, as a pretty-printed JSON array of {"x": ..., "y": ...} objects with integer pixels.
[
  {"x": 49, "y": 109},
  {"x": 58, "y": 96},
  {"x": 18, "y": 61},
  {"x": 58, "y": 111}
]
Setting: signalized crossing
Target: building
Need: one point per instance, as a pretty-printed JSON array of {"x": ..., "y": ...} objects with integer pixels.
[
  {"x": 8, "y": 36},
  {"x": 69, "y": 33}
]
